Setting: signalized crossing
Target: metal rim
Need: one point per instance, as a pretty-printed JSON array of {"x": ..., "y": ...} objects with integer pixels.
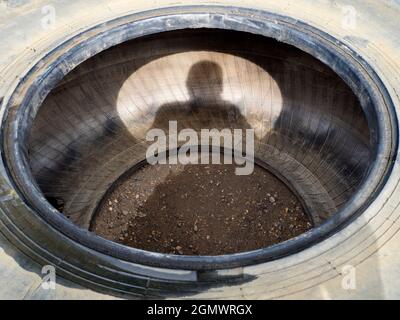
[{"x": 346, "y": 63}]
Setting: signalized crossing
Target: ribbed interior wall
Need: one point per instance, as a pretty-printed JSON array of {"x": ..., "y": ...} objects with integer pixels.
[{"x": 309, "y": 127}]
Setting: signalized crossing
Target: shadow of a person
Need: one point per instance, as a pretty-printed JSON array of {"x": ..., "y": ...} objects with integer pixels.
[{"x": 206, "y": 108}]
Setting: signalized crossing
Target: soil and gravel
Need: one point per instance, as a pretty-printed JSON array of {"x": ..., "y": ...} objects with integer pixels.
[{"x": 199, "y": 210}]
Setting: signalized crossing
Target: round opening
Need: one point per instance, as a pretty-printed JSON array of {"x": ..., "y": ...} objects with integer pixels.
[
  {"x": 317, "y": 140},
  {"x": 308, "y": 127}
]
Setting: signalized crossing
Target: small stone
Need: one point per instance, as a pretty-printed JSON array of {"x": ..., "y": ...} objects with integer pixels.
[
  {"x": 195, "y": 228},
  {"x": 125, "y": 212},
  {"x": 141, "y": 214},
  {"x": 272, "y": 199}
]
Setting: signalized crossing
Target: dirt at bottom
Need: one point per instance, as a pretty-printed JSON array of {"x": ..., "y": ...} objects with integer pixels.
[{"x": 199, "y": 210}]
